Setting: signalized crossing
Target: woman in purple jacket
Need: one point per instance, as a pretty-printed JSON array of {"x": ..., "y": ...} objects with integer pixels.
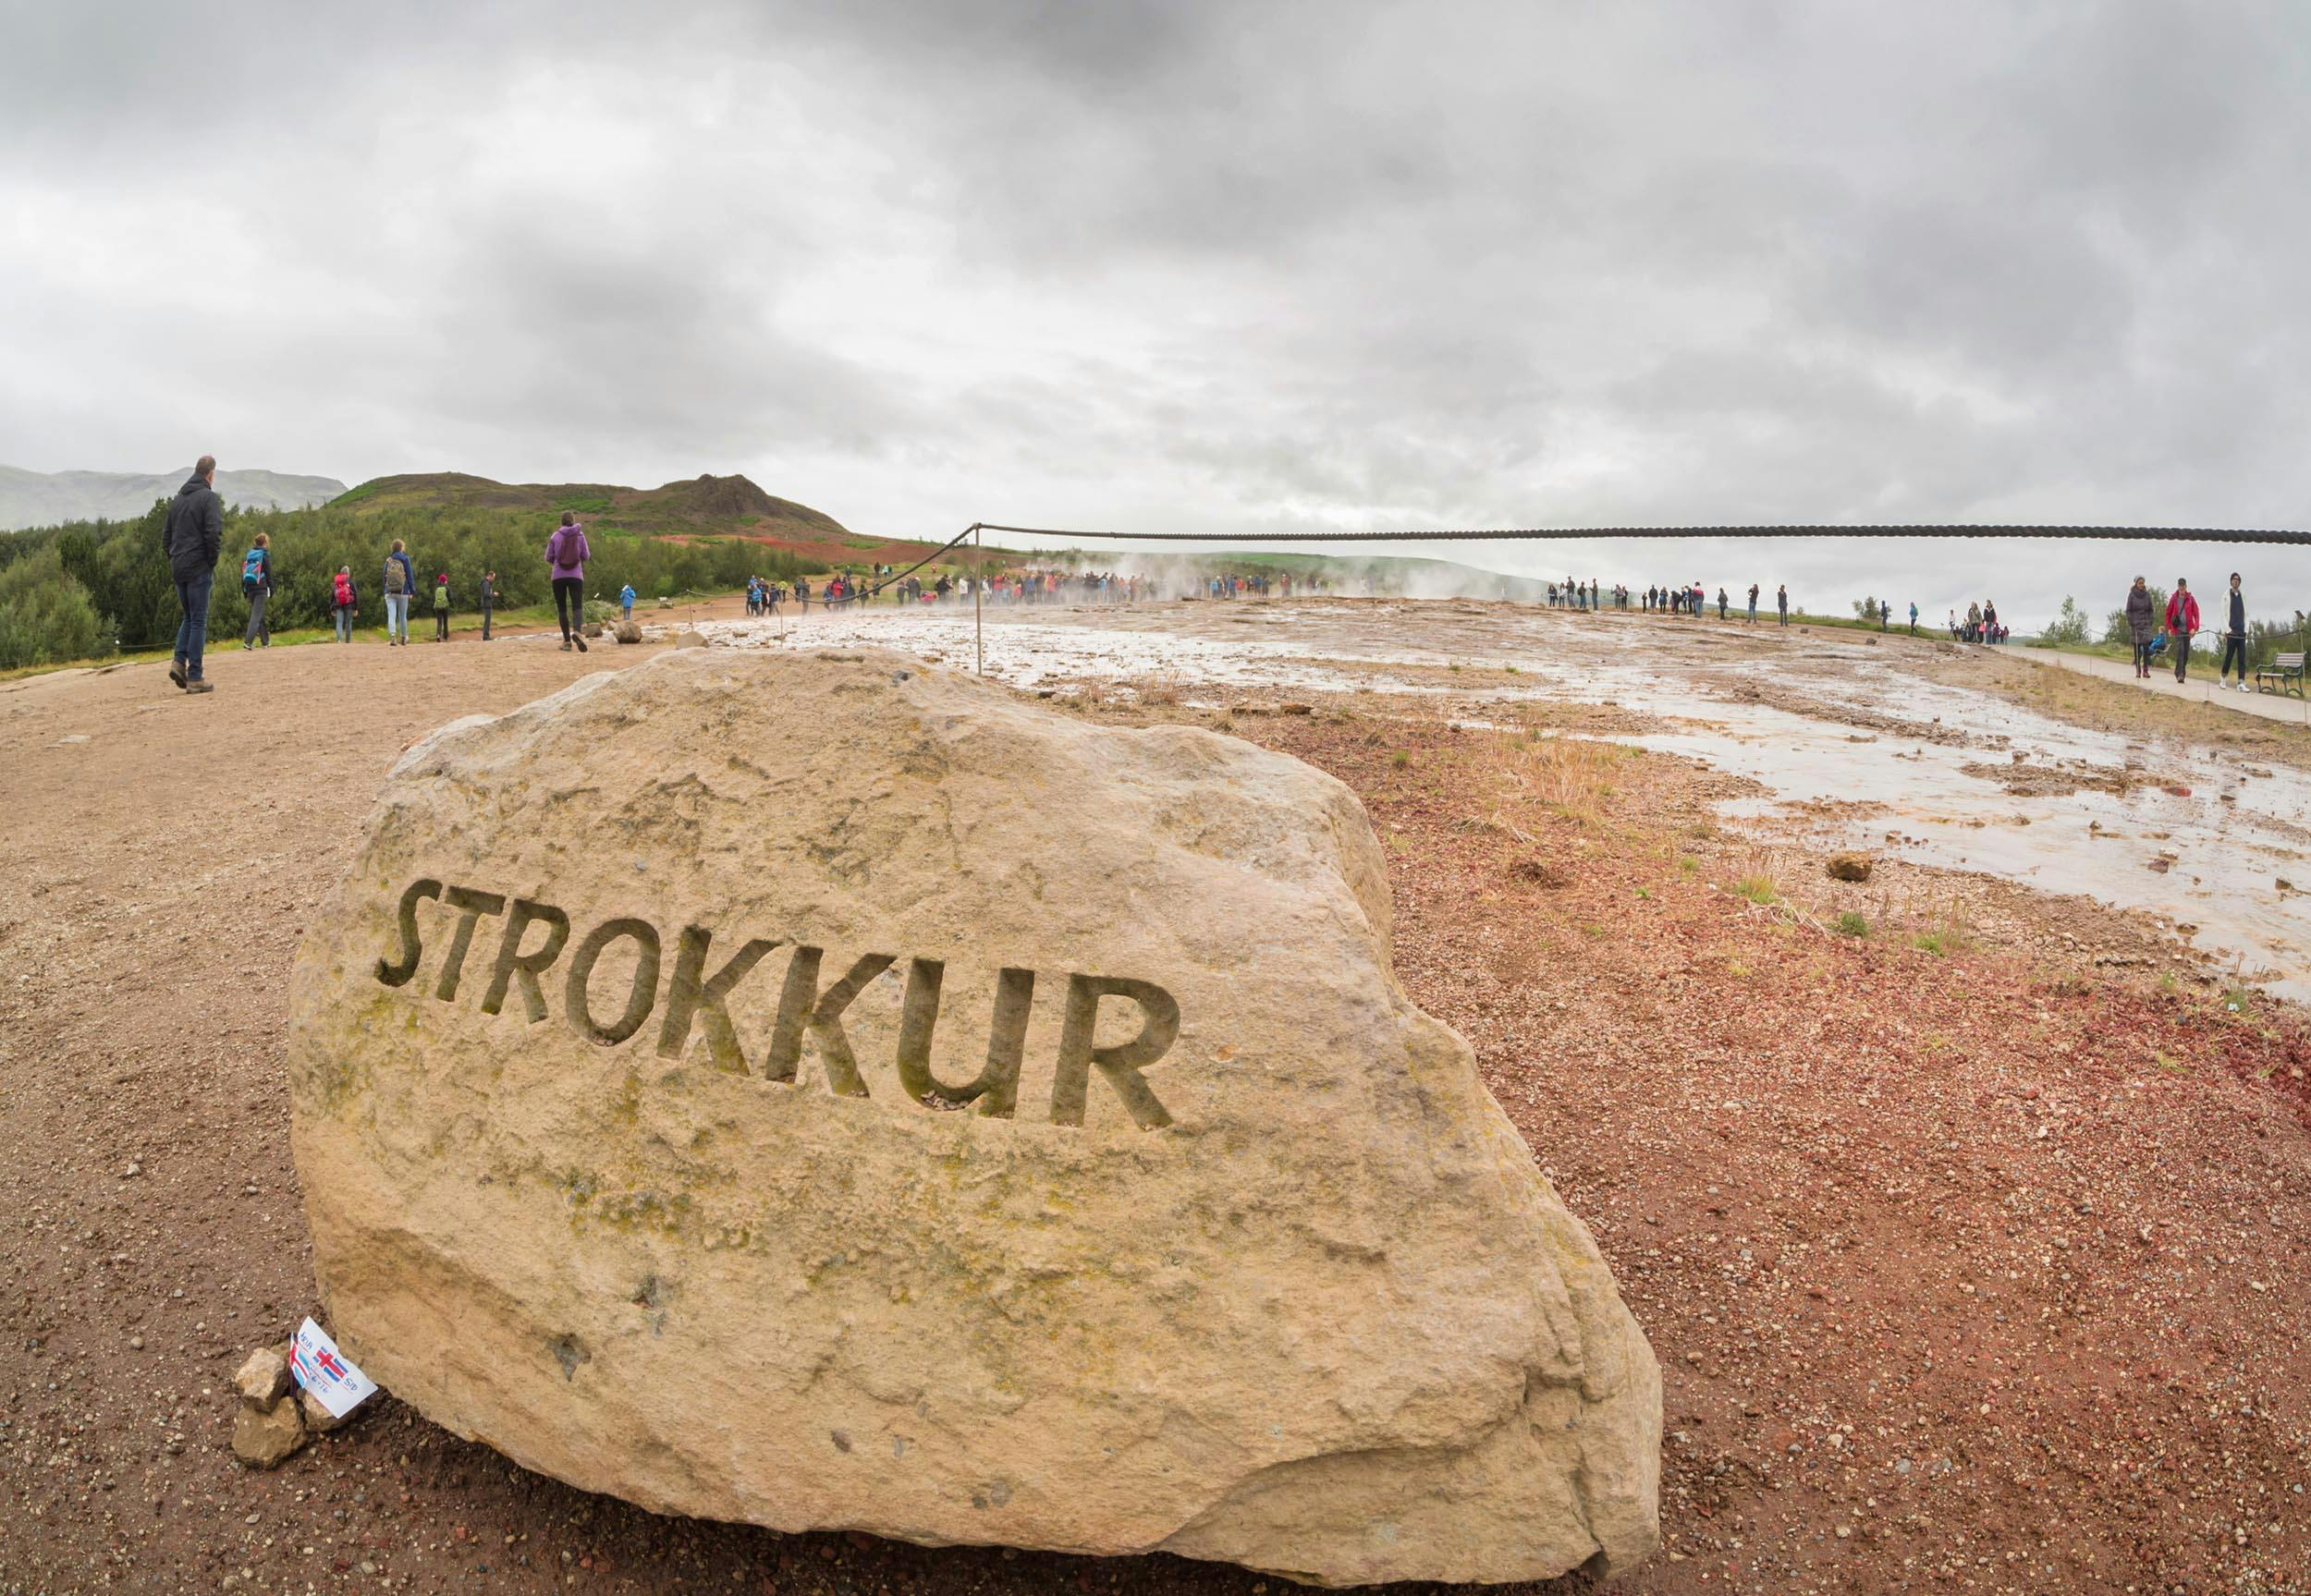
[{"x": 566, "y": 554}]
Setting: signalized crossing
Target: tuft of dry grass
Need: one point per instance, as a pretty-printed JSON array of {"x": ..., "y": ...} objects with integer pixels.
[
  {"x": 1534, "y": 777},
  {"x": 1162, "y": 690}
]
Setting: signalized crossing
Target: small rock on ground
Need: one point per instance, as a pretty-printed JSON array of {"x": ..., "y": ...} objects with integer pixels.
[
  {"x": 319, "y": 1420},
  {"x": 262, "y": 1378},
  {"x": 266, "y": 1437}
]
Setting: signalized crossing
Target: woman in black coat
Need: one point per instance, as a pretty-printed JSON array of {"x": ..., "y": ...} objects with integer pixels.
[{"x": 2141, "y": 621}]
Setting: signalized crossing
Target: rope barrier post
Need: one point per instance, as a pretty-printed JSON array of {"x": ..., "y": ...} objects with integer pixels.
[{"x": 978, "y": 600}]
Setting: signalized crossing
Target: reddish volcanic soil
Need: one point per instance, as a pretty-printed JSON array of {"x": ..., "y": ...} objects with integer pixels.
[{"x": 1976, "y": 1265}]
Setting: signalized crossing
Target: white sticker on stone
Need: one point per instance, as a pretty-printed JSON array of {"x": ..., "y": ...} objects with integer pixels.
[{"x": 321, "y": 1369}]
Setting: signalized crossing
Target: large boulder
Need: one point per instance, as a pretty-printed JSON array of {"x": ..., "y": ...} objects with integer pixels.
[{"x": 976, "y": 1126}]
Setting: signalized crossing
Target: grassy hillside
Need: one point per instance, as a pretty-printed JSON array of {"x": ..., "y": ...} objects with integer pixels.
[{"x": 701, "y": 507}]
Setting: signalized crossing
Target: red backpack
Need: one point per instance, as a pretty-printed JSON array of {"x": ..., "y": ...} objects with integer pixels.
[{"x": 345, "y": 592}]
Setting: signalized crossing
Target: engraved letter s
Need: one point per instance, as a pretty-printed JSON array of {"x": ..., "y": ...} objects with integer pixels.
[{"x": 399, "y": 974}]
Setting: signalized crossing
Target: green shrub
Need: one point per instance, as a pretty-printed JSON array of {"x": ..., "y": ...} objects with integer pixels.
[
  {"x": 46, "y": 615},
  {"x": 2068, "y": 629},
  {"x": 1851, "y": 924},
  {"x": 122, "y": 573}
]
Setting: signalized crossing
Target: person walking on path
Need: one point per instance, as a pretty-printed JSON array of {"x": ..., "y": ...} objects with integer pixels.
[
  {"x": 256, "y": 585},
  {"x": 2142, "y": 625},
  {"x": 566, "y": 555},
  {"x": 2235, "y": 637},
  {"x": 1884, "y": 614},
  {"x": 1753, "y": 603},
  {"x": 626, "y": 602},
  {"x": 192, "y": 537},
  {"x": 2181, "y": 621},
  {"x": 489, "y": 600},
  {"x": 441, "y": 607},
  {"x": 1782, "y": 602},
  {"x": 401, "y": 582},
  {"x": 1913, "y": 617},
  {"x": 344, "y": 599}
]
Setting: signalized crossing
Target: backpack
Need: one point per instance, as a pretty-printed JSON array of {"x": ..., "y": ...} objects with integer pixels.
[
  {"x": 252, "y": 570},
  {"x": 344, "y": 592}
]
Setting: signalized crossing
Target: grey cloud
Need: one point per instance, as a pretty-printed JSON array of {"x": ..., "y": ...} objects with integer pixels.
[{"x": 1182, "y": 263}]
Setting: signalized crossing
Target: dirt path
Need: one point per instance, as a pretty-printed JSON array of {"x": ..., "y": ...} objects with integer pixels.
[
  {"x": 2201, "y": 688},
  {"x": 1979, "y": 1269}
]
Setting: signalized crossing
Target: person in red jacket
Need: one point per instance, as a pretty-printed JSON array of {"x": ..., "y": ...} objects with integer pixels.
[{"x": 2181, "y": 621}]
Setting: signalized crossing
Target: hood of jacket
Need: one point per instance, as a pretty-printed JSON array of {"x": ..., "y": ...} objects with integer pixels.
[{"x": 193, "y": 484}]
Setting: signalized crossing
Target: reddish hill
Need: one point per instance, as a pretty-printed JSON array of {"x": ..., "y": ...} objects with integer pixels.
[{"x": 701, "y": 507}]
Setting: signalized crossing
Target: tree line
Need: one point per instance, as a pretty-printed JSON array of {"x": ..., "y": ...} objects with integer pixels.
[{"x": 81, "y": 590}]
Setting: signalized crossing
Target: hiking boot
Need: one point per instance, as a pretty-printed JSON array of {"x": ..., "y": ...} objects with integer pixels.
[
  {"x": 176, "y": 672},
  {"x": 199, "y": 687},
  {"x": 565, "y": 645},
  {"x": 581, "y": 644},
  {"x": 246, "y": 645}
]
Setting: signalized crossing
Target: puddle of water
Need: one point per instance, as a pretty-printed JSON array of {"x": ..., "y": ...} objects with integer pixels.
[
  {"x": 2223, "y": 860},
  {"x": 2226, "y": 840}
]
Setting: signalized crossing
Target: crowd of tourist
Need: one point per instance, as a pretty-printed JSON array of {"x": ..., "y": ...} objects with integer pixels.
[{"x": 193, "y": 530}]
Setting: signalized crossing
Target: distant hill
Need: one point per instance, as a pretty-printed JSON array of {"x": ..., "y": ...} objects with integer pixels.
[
  {"x": 38, "y": 499},
  {"x": 700, "y": 506}
]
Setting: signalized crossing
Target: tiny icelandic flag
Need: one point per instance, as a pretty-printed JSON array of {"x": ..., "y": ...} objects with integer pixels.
[{"x": 321, "y": 1369}]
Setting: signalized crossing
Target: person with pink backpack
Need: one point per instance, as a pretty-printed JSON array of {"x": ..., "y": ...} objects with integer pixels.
[
  {"x": 566, "y": 555},
  {"x": 345, "y": 602}
]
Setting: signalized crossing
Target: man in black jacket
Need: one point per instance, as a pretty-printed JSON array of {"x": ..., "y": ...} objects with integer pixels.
[
  {"x": 2235, "y": 637},
  {"x": 190, "y": 538}
]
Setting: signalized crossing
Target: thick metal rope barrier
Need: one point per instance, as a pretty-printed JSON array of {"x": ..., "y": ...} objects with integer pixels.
[{"x": 1919, "y": 530}]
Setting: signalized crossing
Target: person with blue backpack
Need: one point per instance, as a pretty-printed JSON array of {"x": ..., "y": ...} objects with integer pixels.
[
  {"x": 626, "y": 602},
  {"x": 256, "y": 584},
  {"x": 401, "y": 582}
]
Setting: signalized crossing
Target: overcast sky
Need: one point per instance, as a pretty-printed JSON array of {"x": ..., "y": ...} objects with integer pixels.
[{"x": 1205, "y": 266}]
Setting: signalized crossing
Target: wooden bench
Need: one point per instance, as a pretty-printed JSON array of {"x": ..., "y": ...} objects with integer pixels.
[{"x": 2281, "y": 673}]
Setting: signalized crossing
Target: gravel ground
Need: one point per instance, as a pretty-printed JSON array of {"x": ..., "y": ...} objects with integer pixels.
[{"x": 1973, "y": 1269}]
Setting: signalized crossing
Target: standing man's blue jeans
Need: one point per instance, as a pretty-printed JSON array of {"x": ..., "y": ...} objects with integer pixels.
[
  {"x": 193, "y": 630},
  {"x": 344, "y": 625},
  {"x": 398, "y": 618}
]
